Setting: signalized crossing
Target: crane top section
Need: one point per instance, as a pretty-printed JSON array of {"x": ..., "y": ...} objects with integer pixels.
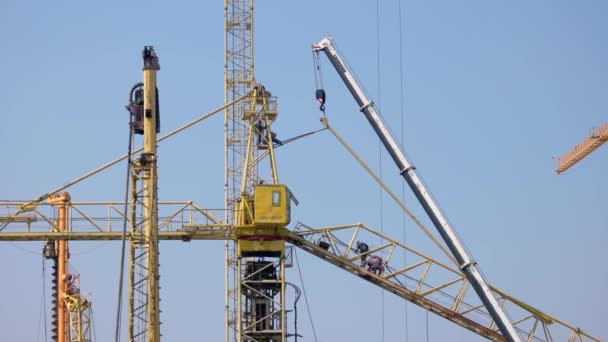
[
  {"x": 366, "y": 105},
  {"x": 598, "y": 137},
  {"x": 150, "y": 58}
]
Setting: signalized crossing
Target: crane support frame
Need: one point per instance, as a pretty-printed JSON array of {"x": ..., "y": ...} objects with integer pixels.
[{"x": 408, "y": 171}]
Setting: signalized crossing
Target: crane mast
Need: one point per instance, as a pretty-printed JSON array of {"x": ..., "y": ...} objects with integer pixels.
[
  {"x": 238, "y": 82},
  {"x": 255, "y": 256},
  {"x": 467, "y": 265},
  {"x": 143, "y": 301}
]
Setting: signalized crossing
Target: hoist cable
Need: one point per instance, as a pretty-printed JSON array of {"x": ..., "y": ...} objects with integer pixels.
[
  {"x": 43, "y": 304},
  {"x": 427, "y": 325},
  {"x": 380, "y": 156},
  {"x": 298, "y": 137},
  {"x": 314, "y": 332},
  {"x": 317, "y": 70},
  {"x": 295, "y": 310},
  {"x": 92, "y": 321},
  {"x": 320, "y": 91},
  {"x": 124, "y": 233},
  {"x": 402, "y": 114}
]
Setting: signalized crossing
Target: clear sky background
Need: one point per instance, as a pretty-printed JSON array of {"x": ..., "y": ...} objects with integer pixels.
[{"x": 492, "y": 93}]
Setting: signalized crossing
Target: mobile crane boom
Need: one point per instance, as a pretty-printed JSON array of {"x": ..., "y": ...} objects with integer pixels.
[{"x": 408, "y": 171}]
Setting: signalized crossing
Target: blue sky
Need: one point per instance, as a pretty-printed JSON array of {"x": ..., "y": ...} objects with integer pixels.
[{"x": 493, "y": 93}]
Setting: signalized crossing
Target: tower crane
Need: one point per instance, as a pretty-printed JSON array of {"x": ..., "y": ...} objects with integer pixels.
[{"x": 598, "y": 137}]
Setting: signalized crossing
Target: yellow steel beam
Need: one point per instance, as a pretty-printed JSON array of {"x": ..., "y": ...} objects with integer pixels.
[
  {"x": 106, "y": 217},
  {"x": 79, "y": 313},
  {"x": 598, "y": 137},
  {"x": 149, "y": 168},
  {"x": 214, "y": 232}
]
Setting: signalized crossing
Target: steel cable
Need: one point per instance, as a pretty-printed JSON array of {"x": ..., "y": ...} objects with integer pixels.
[
  {"x": 402, "y": 115},
  {"x": 314, "y": 332},
  {"x": 124, "y": 232},
  {"x": 380, "y": 156}
]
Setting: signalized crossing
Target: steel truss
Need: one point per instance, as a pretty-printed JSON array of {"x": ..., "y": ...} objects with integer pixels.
[
  {"x": 143, "y": 213},
  {"x": 262, "y": 287},
  {"x": 238, "y": 82},
  {"x": 78, "y": 311},
  {"x": 79, "y": 318},
  {"x": 428, "y": 283},
  {"x": 178, "y": 220}
]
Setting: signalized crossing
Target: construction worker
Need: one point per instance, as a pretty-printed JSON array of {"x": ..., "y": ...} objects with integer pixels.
[
  {"x": 362, "y": 248},
  {"x": 259, "y": 130},
  {"x": 375, "y": 264},
  {"x": 273, "y": 135}
]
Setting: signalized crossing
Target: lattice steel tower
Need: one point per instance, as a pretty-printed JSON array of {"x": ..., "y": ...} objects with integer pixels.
[
  {"x": 143, "y": 302},
  {"x": 255, "y": 275}
]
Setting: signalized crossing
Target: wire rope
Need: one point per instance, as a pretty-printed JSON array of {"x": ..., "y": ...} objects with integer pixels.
[
  {"x": 402, "y": 115},
  {"x": 380, "y": 154},
  {"x": 427, "y": 325},
  {"x": 43, "y": 304},
  {"x": 314, "y": 332},
  {"x": 92, "y": 322},
  {"x": 124, "y": 233},
  {"x": 23, "y": 249},
  {"x": 89, "y": 250},
  {"x": 295, "y": 310}
]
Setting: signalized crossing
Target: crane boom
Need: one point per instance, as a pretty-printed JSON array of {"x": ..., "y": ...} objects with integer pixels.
[
  {"x": 598, "y": 137},
  {"x": 408, "y": 171}
]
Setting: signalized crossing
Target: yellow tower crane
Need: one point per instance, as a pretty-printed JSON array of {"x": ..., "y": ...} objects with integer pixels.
[
  {"x": 257, "y": 206},
  {"x": 598, "y": 137}
]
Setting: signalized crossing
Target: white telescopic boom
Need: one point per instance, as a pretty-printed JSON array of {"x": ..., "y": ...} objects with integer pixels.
[{"x": 408, "y": 171}]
